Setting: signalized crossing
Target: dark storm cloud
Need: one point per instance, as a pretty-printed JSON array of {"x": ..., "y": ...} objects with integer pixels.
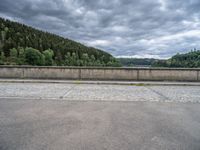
[{"x": 145, "y": 28}]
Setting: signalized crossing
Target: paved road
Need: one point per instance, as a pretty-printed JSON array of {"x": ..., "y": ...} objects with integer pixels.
[{"x": 95, "y": 117}]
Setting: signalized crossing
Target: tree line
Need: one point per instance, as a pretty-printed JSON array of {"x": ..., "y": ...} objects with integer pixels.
[
  {"x": 24, "y": 45},
  {"x": 134, "y": 62},
  {"x": 31, "y": 56},
  {"x": 187, "y": 60}
]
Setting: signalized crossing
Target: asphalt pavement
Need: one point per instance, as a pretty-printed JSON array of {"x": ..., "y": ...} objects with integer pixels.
[{"x": 53, "y": 116}]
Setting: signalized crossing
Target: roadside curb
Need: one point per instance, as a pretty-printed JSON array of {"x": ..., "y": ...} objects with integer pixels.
[{"x": 128, "y": 83}]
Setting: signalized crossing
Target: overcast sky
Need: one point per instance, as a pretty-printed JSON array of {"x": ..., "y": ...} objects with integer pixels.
[{"x": 138, "y": 28}]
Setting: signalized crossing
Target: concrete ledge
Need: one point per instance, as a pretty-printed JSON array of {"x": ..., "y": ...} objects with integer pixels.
[
  {"x": 104, "y": 68},
  {"x": 133, "y": 83}
]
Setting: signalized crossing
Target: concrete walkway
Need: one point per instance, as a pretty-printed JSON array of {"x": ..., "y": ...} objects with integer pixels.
[{"x": 99, "y": 92}]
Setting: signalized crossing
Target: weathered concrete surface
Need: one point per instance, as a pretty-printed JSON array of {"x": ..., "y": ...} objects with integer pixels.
[
  {"x": 48, "y": 73},
  {"x": 109, "y": 74},
  {"x": 168, "y": 75},
  {"x": 67, "y": 125},
  {"x": 37, "y": 116},
  {"x": 11, "y": 72},
  {"x": 84, "y": 73}
]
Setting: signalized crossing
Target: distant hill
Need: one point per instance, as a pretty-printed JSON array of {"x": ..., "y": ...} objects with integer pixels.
[
  {"x": 187, "y": 60},
  {"x": 135, "y": 62},
  {"x": 24, "y": 45}
]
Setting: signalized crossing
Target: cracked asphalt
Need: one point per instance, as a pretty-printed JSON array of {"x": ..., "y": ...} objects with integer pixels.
[{"x": 36, "y": 116}]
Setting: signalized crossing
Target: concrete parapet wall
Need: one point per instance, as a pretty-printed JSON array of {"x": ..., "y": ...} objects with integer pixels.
[
  {"x": 86, "y": 73},
  {"x": 51, "y": 73},
  {"x": 108, "y": 74},
  {"x": 11, "y": 72},
  {"x": 168, "y": 75}
]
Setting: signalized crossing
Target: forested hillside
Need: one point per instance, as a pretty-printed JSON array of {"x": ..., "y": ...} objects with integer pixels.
[
  {"x": 133, "y": 62},
  {"x": 188, "y": 60},
  {"x": 24, "y": 45}
]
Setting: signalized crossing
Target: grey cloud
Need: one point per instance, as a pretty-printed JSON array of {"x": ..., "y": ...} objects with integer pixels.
[{"x": 145, "y": 28}]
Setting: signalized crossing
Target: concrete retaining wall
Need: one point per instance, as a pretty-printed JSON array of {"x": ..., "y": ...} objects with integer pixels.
[{"x": 85, "y": 73}]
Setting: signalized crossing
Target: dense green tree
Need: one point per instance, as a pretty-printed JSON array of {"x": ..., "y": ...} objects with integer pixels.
[
  {"x": 2, "y": 58},
  {"x": 34, "y": 57},
  {"x": 68, "y": 59},
  {"x": 21, "y": 56},
  {"x": 114, "y": 63},
  {"x": 13, "y": 52},
  {"x": 74, "y": 59},
  {"x": 85, "y": 59},
  {"x": 13, "y": 55},
  {"x": 48, "y": 55}
]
